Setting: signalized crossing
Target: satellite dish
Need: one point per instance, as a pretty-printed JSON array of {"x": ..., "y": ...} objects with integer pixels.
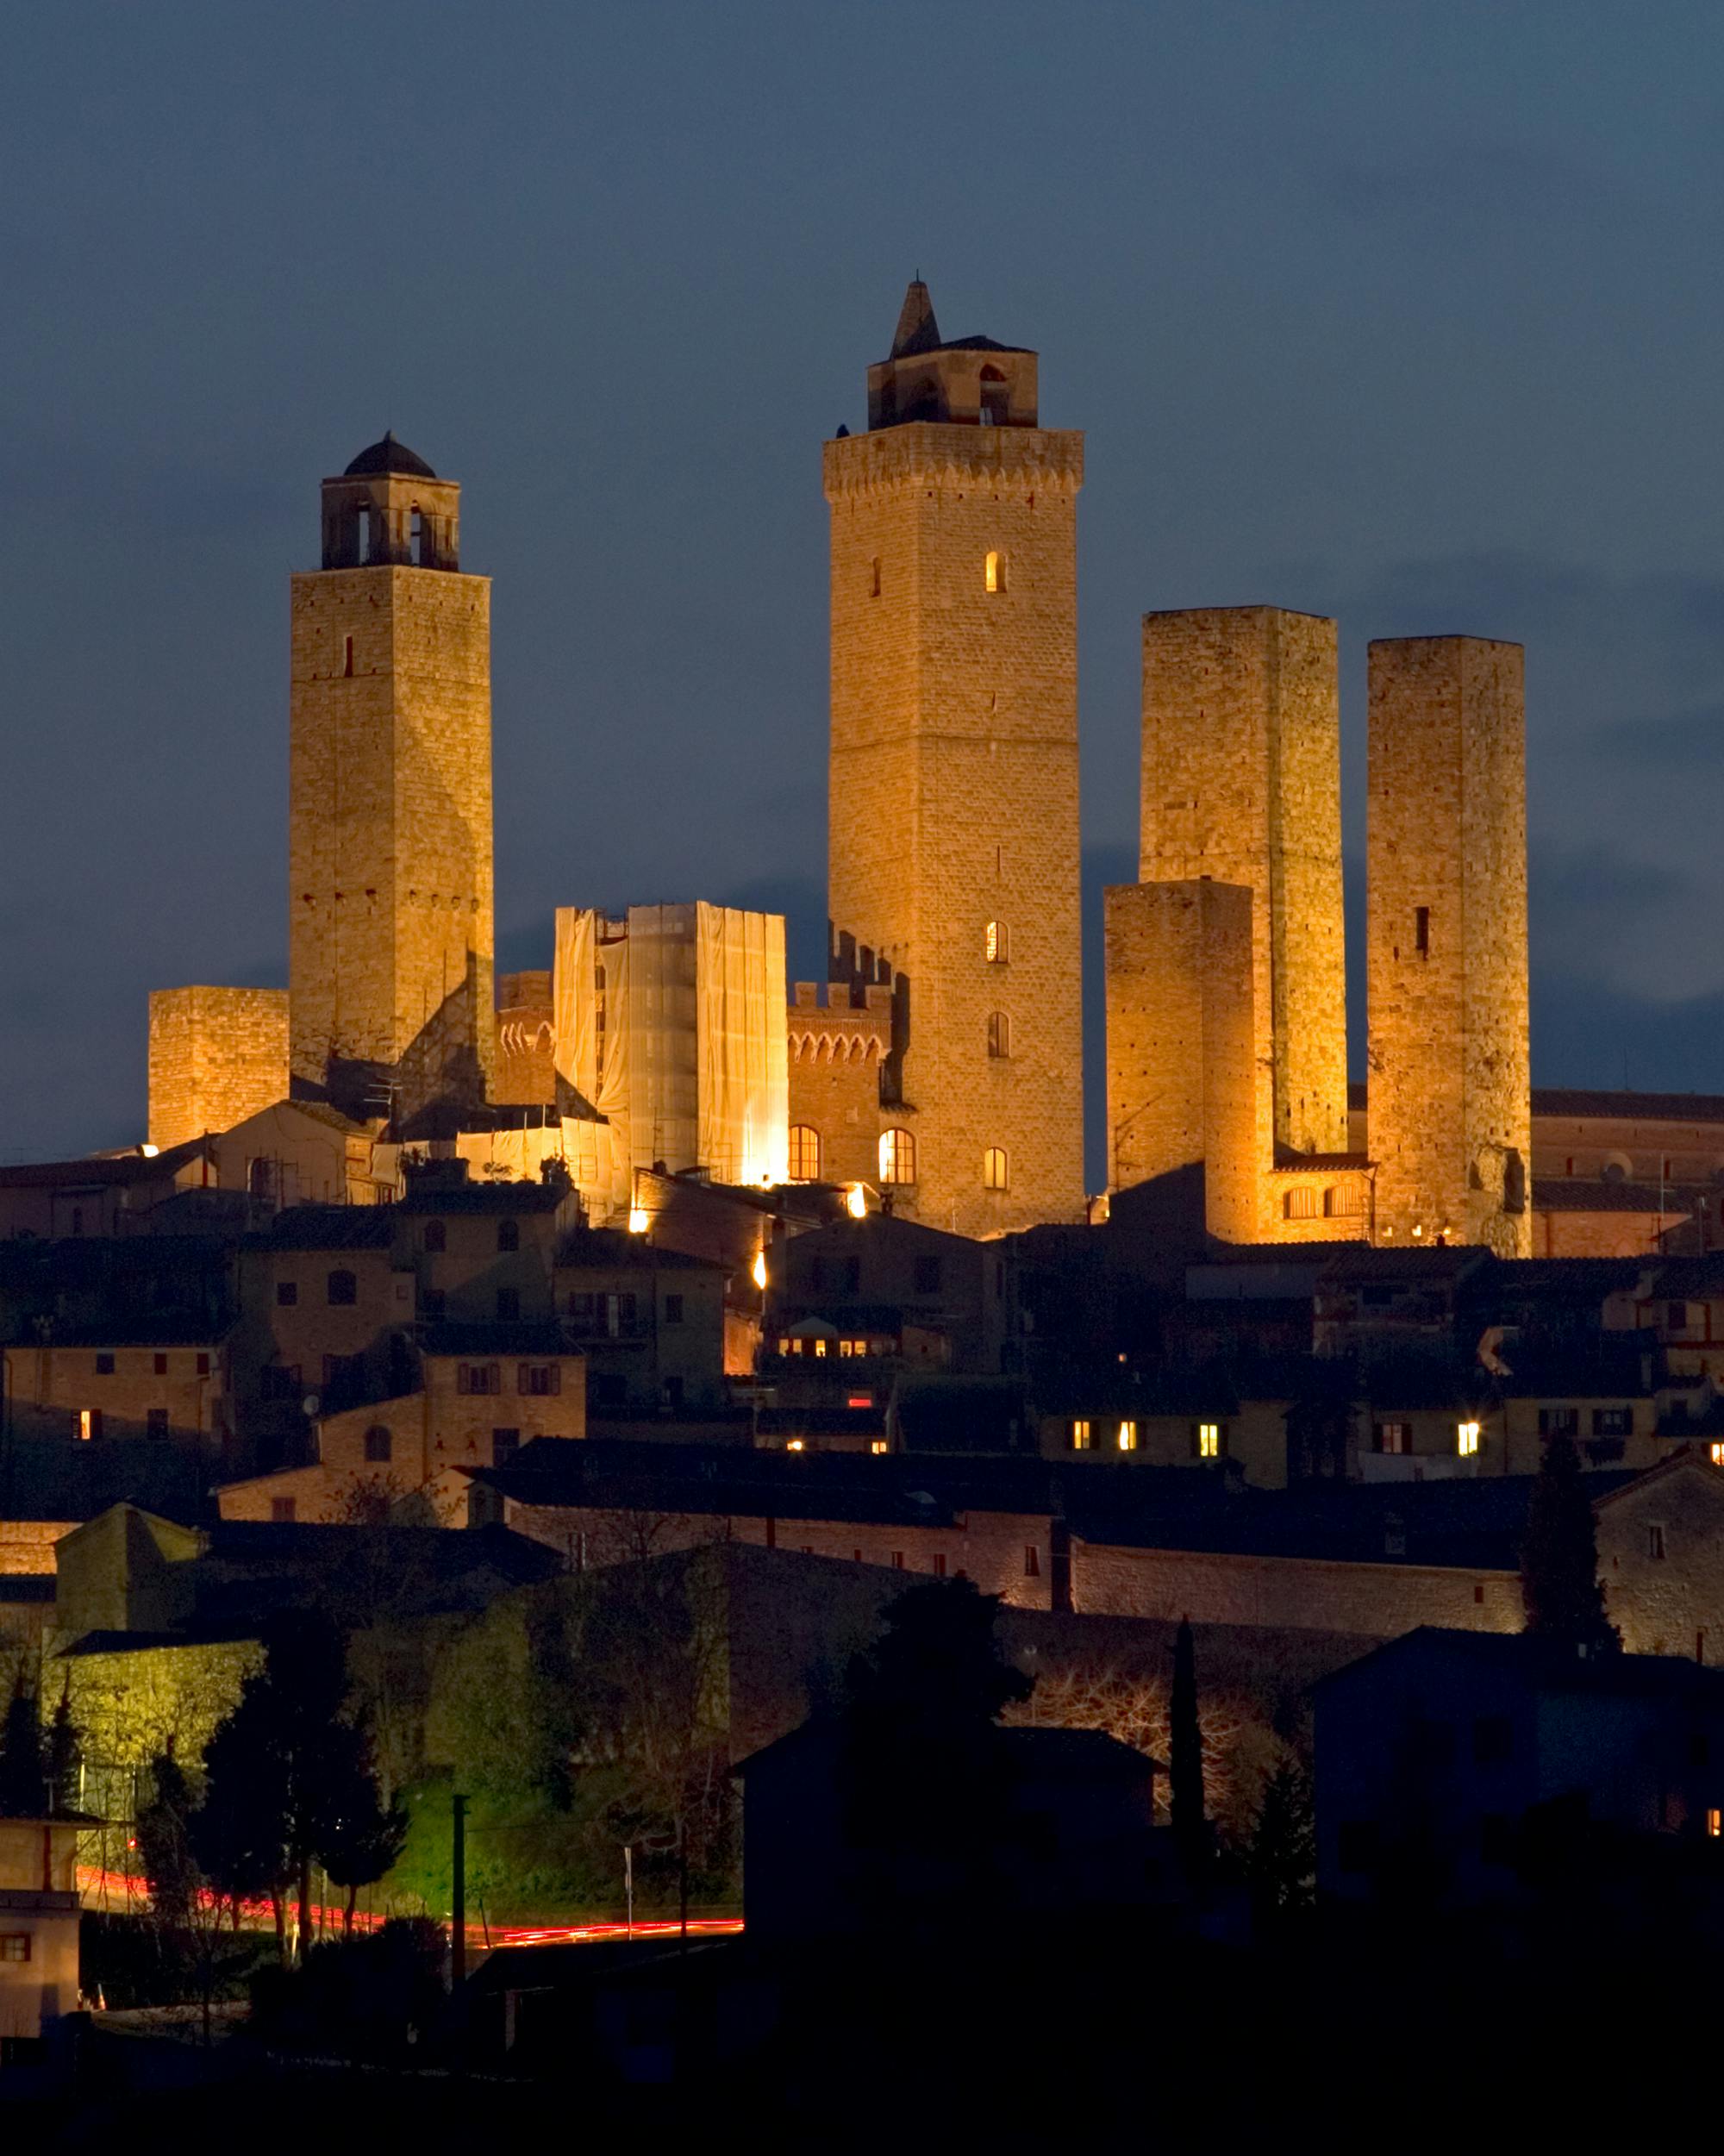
[{"x": 310, "y": 1403}]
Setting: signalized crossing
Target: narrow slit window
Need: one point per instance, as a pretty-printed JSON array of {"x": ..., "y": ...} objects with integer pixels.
[
  {"x": 874, "y": 584},
  {"x": 999, "y": 1034},
  {"x": 996, "y": 943},
  {"x": 1422, "y": 931},
  {"x": 347, "y": 658},
  {"x": 993, "y": 573}
]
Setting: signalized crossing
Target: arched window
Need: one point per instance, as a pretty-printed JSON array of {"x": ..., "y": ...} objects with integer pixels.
[
  {"x": 996, "y": 943},
  {"x": 804, "y": 1154},
  {"x": 343, "y": 1287},
  {"x": 996, "y": 397},
  {"x": 508, "y": 1235},
  {"x": 995, "y": 1169},
  {"x": 1300, "y": 1202},
  {"x": 999, "y": 1034},
  {"x": 897, "y": 1156},
  {"x": 436, "y": 1236},
  {"x": 993, "y": 573}
]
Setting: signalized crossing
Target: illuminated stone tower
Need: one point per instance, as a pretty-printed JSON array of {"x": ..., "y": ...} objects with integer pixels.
[
  {"x": 954, "y": 829},
  {"x": 1450, "y": 1115},
  {"x": 389, "y": 830},
  {"x": 1241, "y": 783}
]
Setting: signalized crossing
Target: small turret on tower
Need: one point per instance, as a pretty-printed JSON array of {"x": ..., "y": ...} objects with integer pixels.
[
  {"x": 969, "y": 382},
  {"x": 390, "y": 509}
]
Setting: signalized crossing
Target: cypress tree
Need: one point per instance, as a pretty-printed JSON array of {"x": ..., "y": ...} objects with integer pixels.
[
  {"x": 1185, "y": 1745},
  {"x": 1560, "y": 1590},
  {"x": 23, "y": 1792}
]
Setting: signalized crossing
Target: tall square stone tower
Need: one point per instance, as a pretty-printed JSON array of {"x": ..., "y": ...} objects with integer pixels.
[
  {"x": 1241, "y": 783},
  {"x": 1186, "y": 1110},
  {"x": 954, "y": 818},
  {"x": 390, "y": 937},
  {"x": 1450, "y": 1088}
]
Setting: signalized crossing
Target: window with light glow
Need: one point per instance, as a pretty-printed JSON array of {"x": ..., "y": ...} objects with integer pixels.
[
  {"x": 1209, "y": 1440},
  {"x": 995, "y": 1169},
  {"x": 1466, "y": 1439},
  {"x": 1717, "y": 1452},
  {"x": 993, "y": 573},
  {"x": 996, "y": 943},
  {"x": 1127, "y": 1437},
  {"x": 897, "y": 1157},
  {"x": 876, "y": 1445},
  {"x": 1714, "y": 1821},
  {"x": 804, "y": 1154},
  {"x": 1083, "y": 1437}
]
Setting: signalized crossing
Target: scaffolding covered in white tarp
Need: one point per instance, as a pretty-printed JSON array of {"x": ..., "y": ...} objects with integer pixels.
[{"x": 672, "y": 1022}]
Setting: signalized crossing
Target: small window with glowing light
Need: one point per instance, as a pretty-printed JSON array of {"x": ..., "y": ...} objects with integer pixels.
[
  {"x": 897, "y": 1157},
  {"x": 1209, "y": 1440},
  {"x": 804, "y": 1154},
  {"x": 1717, "y": 1452},
  {"x": 996, "y": 943},
  {"x": 1714, "y": 1821},
  {"x": 1083, "y": 1437},
  {"x": 1127, "y": 1437},
  {"x": 876, "y": 1445},
  {"x": 995, "y": 1169},
  {"x": 993, "y": 573},
  {"x": 1466, "y": 1439}
]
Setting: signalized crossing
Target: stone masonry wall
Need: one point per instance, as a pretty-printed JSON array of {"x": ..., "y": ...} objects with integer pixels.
[
  {"x": 954, "y": 793},
  {"x": 1182, "y": 1075},
  {"x": 1450, "y": 1089},
  {"x": 217, "y": 1055},
  {"x": 1241, "y": 782},
  {"x": 835, "y": 1055},
  {"x": 390, "y": 928}
]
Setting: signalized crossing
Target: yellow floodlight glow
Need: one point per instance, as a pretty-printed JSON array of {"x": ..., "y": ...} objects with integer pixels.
[
  {"x": 795, "y": 1445},
  {"x": 639, "y": 1220},
  {"x": 149, "y": 1151},
  {"x": 856, "y": 1201},
  {"x": 759, "y": 1269}
]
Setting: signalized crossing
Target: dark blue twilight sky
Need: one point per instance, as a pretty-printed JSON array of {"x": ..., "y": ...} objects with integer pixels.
[{"x": 1409, "y": 313}]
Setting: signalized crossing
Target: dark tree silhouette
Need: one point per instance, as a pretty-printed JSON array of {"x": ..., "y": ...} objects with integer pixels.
[
  {"x": 1185, "y": 1744},
  {"x": 359, "y": 1839},
  {"x": 1560, "y": 1589},
  {"x": 1281, "y": 1859},
  {"x": 64, "y": 1757},
  {"x": 23, "y": 1783},
  {"x": 240, "y": 1832},
  {"x": 165, "y": 1842},
  {"x": 924, "y": 1771}
]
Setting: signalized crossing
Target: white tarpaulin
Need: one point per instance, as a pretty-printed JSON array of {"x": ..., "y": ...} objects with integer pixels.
[{"x": 673, "y": 1025}]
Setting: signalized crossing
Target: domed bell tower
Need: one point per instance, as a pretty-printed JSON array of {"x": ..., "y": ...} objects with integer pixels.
[{"x": 391, "y": 903}]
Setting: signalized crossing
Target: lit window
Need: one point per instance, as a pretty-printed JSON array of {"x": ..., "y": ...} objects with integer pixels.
[
  {"x": 1127, "y": 1437},
  {"x": 87, "y": 1423},
  {"x": 820, "y": 1347},
  {"x": 1209, "y": 1440},
  {"x": 1717, "y": 1452},
  {"x": 995, "y": 1169},
  {"x": 1083, "y": 1437},
  {"x": 876, "y": 1445},
  {"x": 1466, "y": 1439},
  {"x": 639, "y": 1220},
  {"x": 993, "y": 573},
  {"x": 796, "y": 1445},
  {"x": 897, "y": 1157},
  {"x": 999, "y": 1034},
  {"x": 996, "y": 943},
  {"x": 1714, "y": 1821},
  {"x": 804, "y": 1154}
]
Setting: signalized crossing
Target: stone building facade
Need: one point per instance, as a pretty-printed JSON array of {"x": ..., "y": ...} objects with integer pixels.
[
  {"x": 839, "y": 1039},
  {"x": 217, "y": 1055},
  {"x": 390, "y": 928},
  {"x": 953, "y": 783},
  {"x": 1451, "y": 1088}
]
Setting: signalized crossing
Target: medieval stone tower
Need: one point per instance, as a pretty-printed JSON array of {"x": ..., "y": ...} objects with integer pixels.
[
  {"x": 954, "y": 829},
  {"x": 1450, "y": 1088},
  {"x": 1241, "y": 783},
  {"x": 390, "y": 833}
]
